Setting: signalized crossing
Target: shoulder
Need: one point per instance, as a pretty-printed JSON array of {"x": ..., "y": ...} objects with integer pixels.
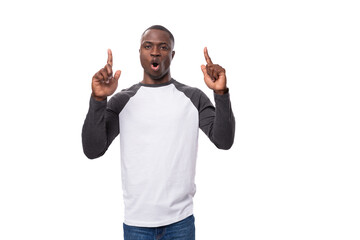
[
  {"x": 119, "y": 100},
  {"x": 197, "y": 96},
  {"x": 127, "y": 92},
  {"x": 188, "y": 90}
]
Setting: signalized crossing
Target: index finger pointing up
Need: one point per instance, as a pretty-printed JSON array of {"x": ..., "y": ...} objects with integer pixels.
[
  {"x": 110, "y": 58},
  {"x": 207, "y": 58}
]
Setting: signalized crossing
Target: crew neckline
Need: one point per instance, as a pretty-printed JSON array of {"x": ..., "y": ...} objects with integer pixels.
[{"x": 158, "y": 85}]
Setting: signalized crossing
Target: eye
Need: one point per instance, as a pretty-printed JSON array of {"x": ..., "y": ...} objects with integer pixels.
[
  {"x": 147, "y": 46},
  {"x": 164, "y": 48}
]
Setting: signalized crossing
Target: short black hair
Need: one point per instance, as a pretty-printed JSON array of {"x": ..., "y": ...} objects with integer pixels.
[{"x": 162, "y": 28}]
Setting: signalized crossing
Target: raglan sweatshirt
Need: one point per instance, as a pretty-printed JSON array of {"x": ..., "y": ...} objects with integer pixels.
[{"x": 158, "y": 126}]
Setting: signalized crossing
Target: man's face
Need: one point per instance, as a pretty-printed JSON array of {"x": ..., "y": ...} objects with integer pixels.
[{"x": 156, "y": 53}]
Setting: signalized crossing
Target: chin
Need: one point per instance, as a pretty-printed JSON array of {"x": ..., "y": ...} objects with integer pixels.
[{"x": 159, "y": 76}]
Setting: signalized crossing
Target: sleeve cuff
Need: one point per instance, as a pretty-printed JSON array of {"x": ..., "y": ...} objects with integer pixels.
[
  {"x": 226, "y": 95},
  {"x": 97, "y": 104}
]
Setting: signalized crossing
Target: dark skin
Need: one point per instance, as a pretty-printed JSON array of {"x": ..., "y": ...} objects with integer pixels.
[
  {"x": 103, "y": 83},
  {"x": 156, "y": 53},
  {"x": 156, "y": 48},
  {"x": 214, "y": 75}
]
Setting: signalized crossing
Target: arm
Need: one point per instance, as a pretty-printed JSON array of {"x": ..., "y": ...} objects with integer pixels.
[
  {"x": 101, "y": 125},
  {"x": 217, "y": 123},
  {"x": 100, "y": 128}
]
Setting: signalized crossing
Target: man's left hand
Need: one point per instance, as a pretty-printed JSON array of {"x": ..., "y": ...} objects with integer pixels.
[{"x": 214, "y": 75}]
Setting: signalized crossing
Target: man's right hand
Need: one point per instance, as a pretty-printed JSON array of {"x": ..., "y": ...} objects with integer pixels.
[{"x": 103, "y": 82}]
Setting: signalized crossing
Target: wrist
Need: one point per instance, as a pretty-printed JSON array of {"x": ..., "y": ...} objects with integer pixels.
[
  {"x": 98, "y": 98},
  {"x": 221, "y": 92}
]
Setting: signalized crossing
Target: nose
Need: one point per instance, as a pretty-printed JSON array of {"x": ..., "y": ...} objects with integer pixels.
[{"x": 155, "y": 52}]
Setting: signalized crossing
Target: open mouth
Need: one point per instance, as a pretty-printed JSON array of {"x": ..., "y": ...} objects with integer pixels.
[{"x": 155, "y": 66}]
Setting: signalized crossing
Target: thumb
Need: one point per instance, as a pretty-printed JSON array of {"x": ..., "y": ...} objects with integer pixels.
[
  {"x": 117, "y": 75},
  {"x": 207, "y": 78},
  {"x": 203, "y": 69}
]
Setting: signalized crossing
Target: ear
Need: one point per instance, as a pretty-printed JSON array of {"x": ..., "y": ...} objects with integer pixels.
[{"x": 173, "y": 54}]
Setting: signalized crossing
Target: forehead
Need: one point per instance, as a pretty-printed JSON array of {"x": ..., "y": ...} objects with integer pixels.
[{"x": 156, "y": 35}]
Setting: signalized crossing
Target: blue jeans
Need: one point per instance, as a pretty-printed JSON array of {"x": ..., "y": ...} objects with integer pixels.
[{"x": 182, "y": 230}]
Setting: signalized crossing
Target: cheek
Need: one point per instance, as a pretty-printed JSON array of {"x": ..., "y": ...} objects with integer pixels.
[
  {"x": 167, "y": 61},
  {"x": 142, "y": 60},
  {"x": 141, "y": 56}
]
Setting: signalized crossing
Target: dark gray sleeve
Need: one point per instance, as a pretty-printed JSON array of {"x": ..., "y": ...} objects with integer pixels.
[
  {"x": 100, "y": 128},
  {"x": 101, "y": 125},
  {"x": 218, "y": 123}
]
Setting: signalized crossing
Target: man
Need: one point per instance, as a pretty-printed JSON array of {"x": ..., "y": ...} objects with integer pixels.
[{"x": 158, "y": 120}]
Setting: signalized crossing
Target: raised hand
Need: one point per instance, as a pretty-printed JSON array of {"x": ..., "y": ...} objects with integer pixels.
[
  {"x": 214, "y": 75},
  {"x": 104, "y": 83}
]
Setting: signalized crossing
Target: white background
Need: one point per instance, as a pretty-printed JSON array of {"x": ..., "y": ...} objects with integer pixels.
[{"x": 293, "y": 74}]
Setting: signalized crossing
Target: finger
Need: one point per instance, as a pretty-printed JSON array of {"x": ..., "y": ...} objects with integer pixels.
[
  {"x": 211, "y": 73},
  {"x": 117, "y": 75},
  {"x": 207, "y": 78},
  {"x": 219, "y": 69},
  {"x": 108, "y": 69},
  {"x": 98, "y": 76},
  {"x": 204, "y": 70},
  {"x": 207, "y": 57},
  {"x": 216, "y": 70},
  {"x": 110, "y": 58},
  {"x": 104, "y": 75}
]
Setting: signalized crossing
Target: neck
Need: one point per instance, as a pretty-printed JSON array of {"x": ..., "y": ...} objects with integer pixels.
[{"x": 150, "y": 80}]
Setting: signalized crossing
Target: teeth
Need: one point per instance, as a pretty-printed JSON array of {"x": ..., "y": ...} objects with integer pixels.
[{"x": 154, "y": 66}]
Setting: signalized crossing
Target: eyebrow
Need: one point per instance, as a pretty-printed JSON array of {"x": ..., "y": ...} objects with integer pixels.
[{"x": 160, "y": 43}]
